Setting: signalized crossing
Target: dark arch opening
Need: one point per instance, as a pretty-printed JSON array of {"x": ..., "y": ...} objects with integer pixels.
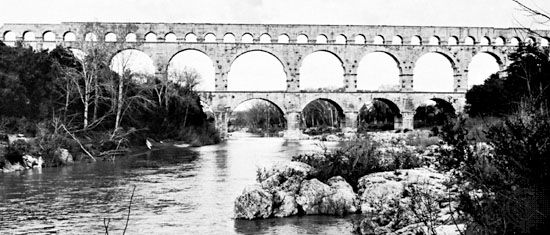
[
  {"x": 433, "y": 113},
  {"x": 257, "y": 116},
  {"x": 322, "y": 116},
  {"x": 380, "y": 115}
]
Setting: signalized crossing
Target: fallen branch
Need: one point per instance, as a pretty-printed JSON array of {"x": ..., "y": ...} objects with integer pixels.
[
  {"x": 78, "y": 141},
  {"x": 129, "y": 210}
]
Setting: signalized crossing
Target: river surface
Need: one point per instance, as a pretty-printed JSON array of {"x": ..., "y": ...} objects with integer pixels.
[{"x": 185, "y": 193}]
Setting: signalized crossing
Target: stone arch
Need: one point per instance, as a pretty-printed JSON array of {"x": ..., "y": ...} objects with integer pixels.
[
  {"x": 229, "y": 38},
  {"x": 210, "y": 37},
  {"x": 240, "y": 100},
  {"x": 363, "y": 82},
  {"x": 514, "y": 41},
  {"x": 444, "y": 54},
  {"x": 265, "y": 38},
  {"x": 390, "y": 103},
  {"x": 306, "y": 82},
  {"x": 337, "y": 104},
  {"x": 150, "y": 37},
  {"x": 432, "y": 83},
  {"x": 395, "y": 109},
  {"x": 9, "y": 36},
  {"x": 437, "y": 100},
  {"x": 130, "y": 37},
  {"x": 170, "y": 37},
  {"x": 360, "y": 39},
  {"x": 302, "y": 38},
  {"x": 340, "y": 39},
  {"x": 500, "y": 41},
  {"x": 416, "y": 40},
  {"x": 442, "y": 105},
  {"x": 340, "y": 116},
  {"x": 147, "y": 66},
  {"x": 48, "y": 36},
  {"x": 69, "y": 36},
  {"x": 29, "y": 36},
  {"x": 470, "y": 41},
  {"x": 480, "y": 68},
  {"x": 321, "y": 39},
  {"x": 485, "y": 41},
  {"x": 190, "y": 37},
  {"x": 434, "y": 40},
  {"x": 378, "y": 40},
  {"x": 283, "y": 38},
  {"x": 397, "y": 40},
  {"x": 110, "y": 37},
  {"x": 247, "y": 38},
  {"x": 453, "y": 41},
  {"x": 271, "y": 54},
  {"x": 208, "y": 80}
]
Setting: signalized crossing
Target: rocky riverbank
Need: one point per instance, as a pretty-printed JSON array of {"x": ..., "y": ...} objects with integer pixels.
[{"x": 399, "y": 201}]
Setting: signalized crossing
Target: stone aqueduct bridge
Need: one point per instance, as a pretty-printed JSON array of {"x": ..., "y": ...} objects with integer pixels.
[{"x": 291, "y": 44}]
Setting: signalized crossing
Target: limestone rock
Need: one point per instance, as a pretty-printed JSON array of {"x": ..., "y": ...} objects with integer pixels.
[
  {"x": 342, "y": 199},
  {"x": 63, "y": 156},
  {"x": 311, "y": 195},
  {"x": 31, "y": 162},
  {"x": 285, "y": 204},
  {"x": 254, "y": 203},
  {"x": 280, "y": 173}
]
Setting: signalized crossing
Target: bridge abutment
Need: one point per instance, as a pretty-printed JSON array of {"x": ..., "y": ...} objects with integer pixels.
[{"x": 293, "y": 125}]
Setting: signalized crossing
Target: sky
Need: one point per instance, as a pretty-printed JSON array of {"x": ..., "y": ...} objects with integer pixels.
[{"x": 376, "y": 71}]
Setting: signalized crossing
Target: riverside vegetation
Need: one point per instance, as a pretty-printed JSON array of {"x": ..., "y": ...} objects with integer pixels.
[
  {"x": 467, "y": 176},
  {"x": 56, "y": 108}
]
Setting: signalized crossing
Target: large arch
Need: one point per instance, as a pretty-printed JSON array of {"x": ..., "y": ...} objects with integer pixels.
[
  {"x": 321, "y": 70},
  {"x": 434, "y": 72},
  {"x": 314, "y": 115},
  {"x": 257, "y": 70},
  {"x": 132, "y": 60},
  {"x": 193, "y": 60},
  {"x": 378, "y": 70},
  {"x": 256, "y": 115},
  {"x": 481, "y": 66},
  {"x": 432, "y": 112},
  {"x": 369, "y": 112}
]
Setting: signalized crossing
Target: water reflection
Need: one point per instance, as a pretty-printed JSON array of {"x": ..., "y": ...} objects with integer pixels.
[{"x": 177, "y": 192}]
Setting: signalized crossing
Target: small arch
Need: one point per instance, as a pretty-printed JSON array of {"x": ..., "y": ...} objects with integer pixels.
[
  {"x": 247, "y": 38},
  {"x": 544, "y": 42},
  {"x": 470, "y": 41},
  {"x": 397, "y": 40},
  {"x": 229, "y": 38},
  {"x": 434, "y": 40},
  {"x": 500, "y": 41},
  {"x": 321, "y": 39},
  {"x": 360, "y": 39},
  {"x": 340, "y": 39},
  {"x": 514, "y": 41},
  {"x": 170, "y": 37},
  {"x": 453, "y": 41},
  {"x": 90, "y": 37},
  {"x": 131, "y": 37},
  {"x": 29, "y": 36},
  {"x": 190, "y": 37},
  {"x": 48, "y": 36},
  {"x": 265, "y": 38},
  {"x": 210, "y": 37},
  {"x": 485, "y": 41},
  {"x": 10, "y": 36},
  {"x": 69, "y": 36},
  {"x": 283, "y": 38},
  {"x": 302, "y": 38},
  {"x": 416, "y": 40},
  {"x": 150, "y": 37},
  {"x": 378, "y": 40},
  {"x": 110, "y": 37}
]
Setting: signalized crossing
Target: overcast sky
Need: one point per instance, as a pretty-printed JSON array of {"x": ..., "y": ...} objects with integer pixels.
[{"x": 496, "y": 13}]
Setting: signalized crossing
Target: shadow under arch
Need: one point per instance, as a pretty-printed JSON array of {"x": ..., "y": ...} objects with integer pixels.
[
  {"x": 322, "y": 112},
  {"x": 264, "y": 116},
  {"x": 385, "y": 117},
  {"x": 433, "y": 113}
]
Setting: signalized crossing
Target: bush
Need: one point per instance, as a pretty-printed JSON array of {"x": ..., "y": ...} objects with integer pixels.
[{"x": 353, "y": 160}]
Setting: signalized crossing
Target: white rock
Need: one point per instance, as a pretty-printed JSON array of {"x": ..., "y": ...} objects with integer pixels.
[
  {"x": 253, "y": 203},
  {"x": 311, "y": 195},
  {"x": 63, "y": 156}
]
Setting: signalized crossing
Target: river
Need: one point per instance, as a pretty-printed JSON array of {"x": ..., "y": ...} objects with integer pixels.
[{"x": 186, "y": 193}]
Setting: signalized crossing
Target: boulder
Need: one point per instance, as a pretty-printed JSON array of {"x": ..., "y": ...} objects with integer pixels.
[
  {"x": 254, "y": 203},
  {"x": 285, "y": 204},
  {"x": 63, "y": 156},
  {"x": 15, "y": 137},
  {"x": 311, "y": 195},
  {"x": 8, "y": 167},
  {"x": 342, "y": 199},
  {"x": 31, "y": 162},
  {"x": 277, "y": 175}
]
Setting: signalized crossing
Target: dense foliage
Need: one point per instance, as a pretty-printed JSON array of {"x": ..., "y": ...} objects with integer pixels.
[
  {"x": 378, "y": 116},
  {"x": 262, "y": 117}
]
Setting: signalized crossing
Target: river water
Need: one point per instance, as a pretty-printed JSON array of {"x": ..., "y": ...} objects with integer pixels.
[{"x": 183, "y": 192}]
